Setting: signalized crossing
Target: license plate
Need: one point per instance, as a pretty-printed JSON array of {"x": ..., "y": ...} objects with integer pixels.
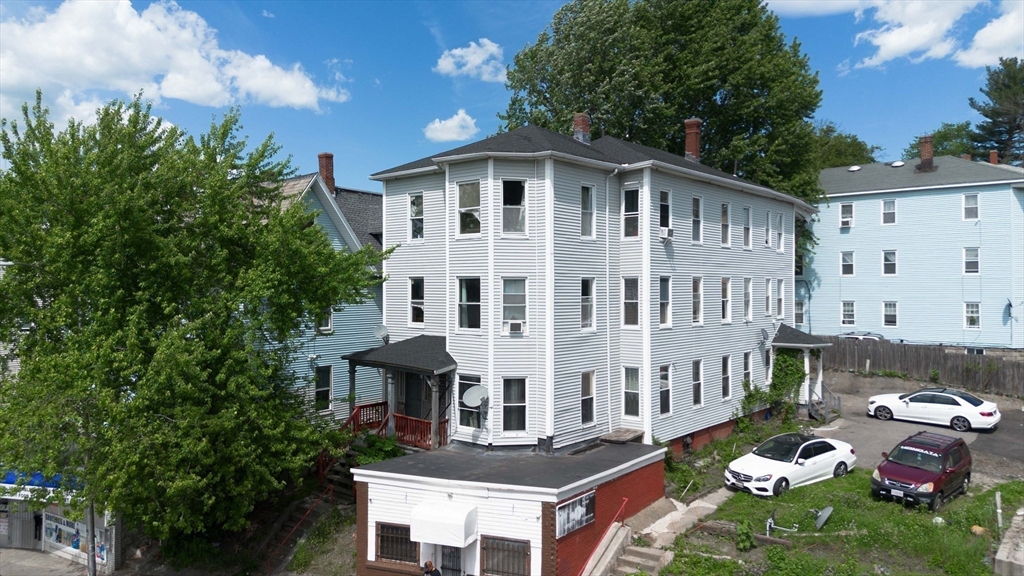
[{"x": 896, "y": 493}]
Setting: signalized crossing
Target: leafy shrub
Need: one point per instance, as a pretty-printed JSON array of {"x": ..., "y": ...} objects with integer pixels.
[
  {"x": 933, "y": 376},
  {"x": 744, "y": 536},
  {"x": 377, "y": 449}
]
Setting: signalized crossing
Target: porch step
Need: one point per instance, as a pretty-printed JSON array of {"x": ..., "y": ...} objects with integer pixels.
[{"x": 638, "y": 559}]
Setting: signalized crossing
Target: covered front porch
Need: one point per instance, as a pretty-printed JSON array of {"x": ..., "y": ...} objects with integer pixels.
[
  {"x": 813, "y": 393},
  {"x": 416, "y": 383}
]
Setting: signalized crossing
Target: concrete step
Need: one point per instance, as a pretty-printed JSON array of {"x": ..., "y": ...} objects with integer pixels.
[
  {"x": 637, "y": 563},
  {"x": 653, "y": 554}
]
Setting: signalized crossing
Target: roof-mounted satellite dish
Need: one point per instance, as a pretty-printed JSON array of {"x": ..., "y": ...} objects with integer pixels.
[
  {"x": 474, "y": 396},
  {"x": 897, "y": 163},
  {"x": 381, "y": 332},
  {"x": 853, "y": 168}
]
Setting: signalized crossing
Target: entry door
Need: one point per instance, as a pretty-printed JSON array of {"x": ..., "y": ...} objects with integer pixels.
[
  {"x": 413, "y": 395},
  {"x": 451, "y": 561}
]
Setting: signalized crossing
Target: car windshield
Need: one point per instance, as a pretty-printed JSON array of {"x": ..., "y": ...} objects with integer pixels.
[
  {"x": 973, "y": 400},
  {"x": 782, "y": 448},
  {"x": 917, "y": 458}
]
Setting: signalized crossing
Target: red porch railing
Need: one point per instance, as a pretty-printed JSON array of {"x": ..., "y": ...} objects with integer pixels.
[
  {"x": 604, "y": 535},
  {"x": 366, "y": 416},
  {"x": 416, "y": 432}
]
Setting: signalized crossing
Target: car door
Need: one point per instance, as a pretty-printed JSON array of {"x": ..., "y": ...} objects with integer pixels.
[
  {"x": 954, "y": 461},
  {"x": 805, "y": 472},
  {"x": 918, "y": 408},
  {"x": 944, "y": 408},
  {"x": 825, "y": 455}
]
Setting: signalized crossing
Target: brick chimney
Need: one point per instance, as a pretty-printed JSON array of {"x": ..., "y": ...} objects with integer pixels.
[
  {"x": 327, "y": 170},
  {"x": 581, "y": 127},
  {"x": 927, "y": 163},
  {"x": 693, "y": 137},
  {"x": 965, "y": 157},
  {"x": 993, "y": 157}
]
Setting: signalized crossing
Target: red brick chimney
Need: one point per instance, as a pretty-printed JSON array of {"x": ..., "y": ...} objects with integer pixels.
[
  {"x": 927, "y": 164},
  {"x": 693, "y": 137},
  {"x": 965, "y": 157},
  {"x": 327, "y": 170},
  {"x": 581, "y": 127},
  {"x": 993, "y": 157}
]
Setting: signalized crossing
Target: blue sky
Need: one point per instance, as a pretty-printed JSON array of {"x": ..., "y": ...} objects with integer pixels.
[{"x": 383, "y": 83}]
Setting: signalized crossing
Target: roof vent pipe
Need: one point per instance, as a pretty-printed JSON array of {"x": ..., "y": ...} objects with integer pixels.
[
  {"x": 693, "y": 137},
  {"x": 927, "y": 163},
  {"x": 993, "y": 157},
  {"x": 581, "y": 127},
  {"x": 327, "y": 170}
]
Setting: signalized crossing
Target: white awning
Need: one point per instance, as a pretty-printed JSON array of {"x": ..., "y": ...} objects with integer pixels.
[{"x": 443, "y": 522}]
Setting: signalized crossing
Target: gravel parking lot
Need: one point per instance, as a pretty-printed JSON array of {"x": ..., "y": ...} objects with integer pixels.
[{"x": 998, "y": 455}]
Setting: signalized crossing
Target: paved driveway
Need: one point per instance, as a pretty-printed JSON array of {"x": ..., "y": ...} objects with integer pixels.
[{"x": 14, "y": 562}]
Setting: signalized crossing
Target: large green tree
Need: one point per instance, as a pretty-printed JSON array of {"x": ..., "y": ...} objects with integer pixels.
[
  {"x": 155, "y": 282},
  {"x": 1003, "y": 127},
  {"x": 948, "y": 140},
  {"x": 834, "y": 148},
  {"x": 641, "y": 67}
]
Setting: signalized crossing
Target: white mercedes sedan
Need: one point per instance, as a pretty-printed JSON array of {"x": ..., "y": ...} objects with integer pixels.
[
  {"x": 957, "y": 409},
  {"x": 789, "y": 460}
]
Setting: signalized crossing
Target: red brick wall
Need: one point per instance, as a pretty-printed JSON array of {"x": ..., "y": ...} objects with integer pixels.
[
  {"x": 702, "y": 438},
  {"x": 642, "y": 487}
]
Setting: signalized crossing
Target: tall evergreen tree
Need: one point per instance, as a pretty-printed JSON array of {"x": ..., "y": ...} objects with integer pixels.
[{"x": 1003, "y": 127}]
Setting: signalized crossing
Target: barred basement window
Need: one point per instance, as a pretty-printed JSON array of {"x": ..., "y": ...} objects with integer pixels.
[
  {"x": 394, "y": 544},
  {"x": 503, "y": 557}
]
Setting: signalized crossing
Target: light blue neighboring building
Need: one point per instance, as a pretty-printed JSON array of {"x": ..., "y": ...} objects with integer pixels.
[
  {"x": 351, "y": 219},
  {"x": 925, "y": 252}
]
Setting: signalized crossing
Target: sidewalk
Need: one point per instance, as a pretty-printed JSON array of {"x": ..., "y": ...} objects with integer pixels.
[
  {"x": 664, "y": 531},
  {"x": 17, "y": 562}
]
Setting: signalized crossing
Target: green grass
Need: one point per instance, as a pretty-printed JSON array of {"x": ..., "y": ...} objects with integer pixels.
[
  {"x": 903, "y": 539},
  {"x": 324, "y": 530}
]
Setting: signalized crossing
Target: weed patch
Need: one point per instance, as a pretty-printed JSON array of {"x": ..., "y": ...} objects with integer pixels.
[{"x": 320, "y": 537}]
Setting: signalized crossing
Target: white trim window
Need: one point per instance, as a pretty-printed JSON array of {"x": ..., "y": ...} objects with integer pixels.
[
  {"x": 665, "y": 209},
  {"x": 726, "y": 300},
  {"x": 972, "y": 260},
  {"x": 972, "y": 315},
  {"x": 888, "y": 263},
  {"x": 748, "y": 299},
  {"x": 513, "y": 405},
  {"x": 416, "y": 299},
  {"x": 513, "y": 305},
  {"x": 630, "y": 301},
  {"x": 726, "y": 377},
  {"x": 846, "y": 263},
  {"x": 665, "y": 301},
  {"x": 889, "y": 314},
  {"x": 972, "y": 211},
  {"x": 849, "y": 313},
  {"x": 748, "y": 375},
  {"x": 587, "y": 304},
  {"x": 726, "y": 226},
  {"x": 630, "y": 392},
  {"x": 323, "y": 388},
  {"x": 415, "y": 215},
  {"x": 780, "y": 231},
  {"x": 631, "y": 213},
  {"x": 587, "y": 212},
  {"x": 798, "y": 312},
  {"x": 846, "y": 215},
  {"x": 747, "y": 228},
  {"x": 888, "y": 211},
  {"x": 587, "y": 398},
  {"x": 697, "y": 377},
  {"x": 469, "y": 416},
  {"x": 697, "y": 220},
  {"x": 767, "y": 296},
  {"x": 798, "y": 265},
  {"x": 768, "y": 229},
  {"x": 665, "y": 389},
  {"x": 697, "y": 299},
  {"x": 469, "y": 303},
  {"x": 780, "y": 293},
  {"x": 469, "y": 208},
  {"x": 513, "y": 207},
  {"x": 325, "y": 322}
]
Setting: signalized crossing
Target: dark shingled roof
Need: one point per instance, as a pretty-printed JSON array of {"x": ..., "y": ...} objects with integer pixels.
[
  {"x": 883, "y": 176},
  {"x": 517, "y": 468},
  {"x": 363, "y": 210},
  {"x": 425, "y": 354},
  {"x": 630, "y": 153},
  {"x": 786, "y": 337}
]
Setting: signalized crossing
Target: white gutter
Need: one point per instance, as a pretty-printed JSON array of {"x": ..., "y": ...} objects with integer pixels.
[{"x": 919, "y": 188}]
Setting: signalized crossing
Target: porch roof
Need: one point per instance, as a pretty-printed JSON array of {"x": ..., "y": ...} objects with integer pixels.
[
  {"x": 423, "y": 354},
  {"x": 786, "y": 337}
]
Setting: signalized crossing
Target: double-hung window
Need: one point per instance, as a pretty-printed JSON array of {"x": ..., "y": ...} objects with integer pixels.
[
  {"x": 323, "y": 388},
  {"x": 697, "y": 377},
  {"x": 798, "y": 312},
  {"x": 726, "y": 377},
  {"x": 665, "y": 301},
  {"x": 747, "y": 227},
  {"x": 780, "y": 309},
  {"x": 587, "y": 211},
  {"x": 416, "y": 297},
  {"x": 780, "y": 243},
  {"x": 748, "y": 299},
  {"x": 747, "y": 374},
  {"x": 513, "y": 400},
  {"x": 849, "y": 317},
  {"x": 798, "y": 265},
  {"x": 469, "y": 208},
  {"x": 665, "y": 389},
  {"x": 726, "y": 229},
  {"x": 697, "y": 220},
  {"x": 972, "y": 315},
  {"x": 586, "y": 398},
  {"x": 665, "y": 209},
  {"x": 726, "y": 300},
  {"x": 631, "y": 392},
  {"x": 325, "y": 322},
  {"x": 469, "y": 302},
  {"x": 468, "y": 415},
  {"x": 631, "y": 213},
  {"x": 513, "y": 305},
  {"x": 630, "y": 302},
  {"x": 889, "y": 263},
  {"x": 889, "y": 314},
  {"x": 513, "y": 207},
  {"x": 846, "y": 263},
  {"x": 767, "y": 296},
  {"x": 587, "y": 303},
  {"x": 696, "y": 297},
  {"x": 972, "y": 260},
  {"x": 416, "y": 216},
  {"x": 768, "y": 229},
  {"x": 846, "y": 215},
  {"x": 888, "y": 212},
  {"x": 971, "y": 207}
]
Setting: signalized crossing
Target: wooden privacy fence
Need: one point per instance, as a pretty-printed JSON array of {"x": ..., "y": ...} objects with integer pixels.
[{"x": 972, "y": 372}]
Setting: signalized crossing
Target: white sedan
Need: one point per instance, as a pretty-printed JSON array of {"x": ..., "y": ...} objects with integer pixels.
[
  {"x": 789, "y": 460},
  {"x": 957, "y": 409}
]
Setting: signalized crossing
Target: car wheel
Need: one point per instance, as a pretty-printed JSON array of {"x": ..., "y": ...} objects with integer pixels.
[
  {"x": 937, "y": 502},
  {"x": 781, "y": 486},
  {"x": 966, "y": 485},
  {"x": 960, "y": 424},
  {"x": 883, "y": 413},
  {"x": 840, "y": 470}
]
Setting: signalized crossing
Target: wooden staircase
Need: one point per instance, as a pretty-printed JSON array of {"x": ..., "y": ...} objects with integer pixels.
[
  {"x": 294, "y": 525},
  {"x": 826, "y": 407}
]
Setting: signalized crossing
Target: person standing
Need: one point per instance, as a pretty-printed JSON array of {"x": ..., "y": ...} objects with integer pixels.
[{"x": 429, "y": 570}]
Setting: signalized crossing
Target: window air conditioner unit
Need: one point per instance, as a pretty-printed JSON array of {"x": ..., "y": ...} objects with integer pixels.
[
  {"x": 666, "y": 234},
  {"x": 844, "y": 223},
  {"x": 515, "y": 327}
]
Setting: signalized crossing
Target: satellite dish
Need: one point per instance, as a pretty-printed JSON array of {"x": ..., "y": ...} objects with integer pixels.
[
  {"x": 853, "y": 168},
  {"x": 381, "y": 332},
  {"x": 823, "y": 517},
  {"x": 764, "y": 335},
  {"x": 897, "y": 163},
  {"x": 474, "y": 396}
]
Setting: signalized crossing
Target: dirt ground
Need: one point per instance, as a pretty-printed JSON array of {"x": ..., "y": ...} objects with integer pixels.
[{"x": 336, "y": 559}]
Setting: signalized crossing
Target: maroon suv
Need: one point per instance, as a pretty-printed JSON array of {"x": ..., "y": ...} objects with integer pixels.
[{"x": 926, "y": 468}]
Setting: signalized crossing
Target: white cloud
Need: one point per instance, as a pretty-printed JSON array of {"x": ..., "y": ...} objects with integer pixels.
[
  {"x": 458, "y": 127},
  {"x": 1003, "y": 36},
  {"x": 89, "y": 52},
  {"x": 268, "y": 14},
  {"x": 917, "y": 29},
  {"x": 843, "y": 68},
  {"x": 483, "y": 61}
]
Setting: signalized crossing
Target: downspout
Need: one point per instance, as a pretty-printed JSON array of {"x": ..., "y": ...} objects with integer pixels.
[{"x": 607, "y": 298}]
